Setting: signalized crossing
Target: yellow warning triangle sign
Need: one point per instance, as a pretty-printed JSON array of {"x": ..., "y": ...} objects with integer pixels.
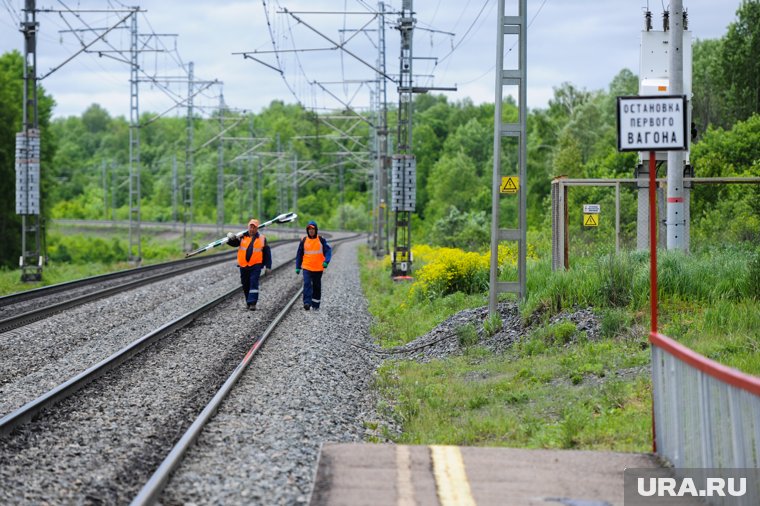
[
  {"x": 509, "y": 184},
  {"x": 590, "y": 220}
]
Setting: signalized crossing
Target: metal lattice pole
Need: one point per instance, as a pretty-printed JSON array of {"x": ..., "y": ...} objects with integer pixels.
[
  {"x": 509, "y": 25},
  {"x": 175, "y": 188},
  {"x": 404, "y": 174},
  {"x": 295, "y": 181},
  {"x": 220, "y": 171},
  {"x": 381, "y": 244},
  {"x": 134, "y": 149},
  {"x": 258, "y": 188},
  {"x": 187, "y": 190},
  {"x": 28, "y": 156}
]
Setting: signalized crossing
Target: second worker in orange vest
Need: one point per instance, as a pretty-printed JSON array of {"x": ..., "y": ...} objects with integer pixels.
[
  {"x": 314, "y": 255},
  {"x": 254, "y": 258}
]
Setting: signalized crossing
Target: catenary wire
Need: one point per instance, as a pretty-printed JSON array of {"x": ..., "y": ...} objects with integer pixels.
[{"x": 543, "y": 3}]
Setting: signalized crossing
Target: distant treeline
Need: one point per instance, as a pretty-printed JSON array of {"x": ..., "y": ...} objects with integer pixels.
[{"x": 85, "y": 159}]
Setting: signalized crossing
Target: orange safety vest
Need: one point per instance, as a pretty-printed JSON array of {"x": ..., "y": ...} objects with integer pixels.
[
  {"x": 258, "y": 251},
  {"x": 313, "y": 255}
]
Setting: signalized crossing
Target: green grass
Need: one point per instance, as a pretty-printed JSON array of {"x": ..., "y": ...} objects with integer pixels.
[
  {"x": 725, "y": 331},
  {"x": 81, "y": 253},
  {"x": 398, "y": 316},
  {"x": 555, "y": 399},
  {"x": 10, "y": 280},
  {"x": 555, "y": 388},
  {"x": 76, "y": 252}
]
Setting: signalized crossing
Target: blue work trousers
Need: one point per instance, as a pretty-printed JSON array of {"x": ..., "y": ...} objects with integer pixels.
[
  {"x": 312, "y": 288},
  {"x": 249, "y": 278}
]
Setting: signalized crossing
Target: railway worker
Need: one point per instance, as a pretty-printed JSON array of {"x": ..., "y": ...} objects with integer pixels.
[
  {"x": 313, "y": 257},
  {"x": 254, "y": 258}
]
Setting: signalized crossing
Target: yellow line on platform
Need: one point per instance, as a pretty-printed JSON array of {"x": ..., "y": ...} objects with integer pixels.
[{"x": 450, "y": 476}]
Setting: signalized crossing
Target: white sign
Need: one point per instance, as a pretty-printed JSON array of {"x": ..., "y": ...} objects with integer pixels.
[
  {"x": 652, "y": 123},
  {"x": 592, "y": 208}
]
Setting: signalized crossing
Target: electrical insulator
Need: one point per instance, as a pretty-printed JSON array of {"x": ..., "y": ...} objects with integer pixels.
[
  {"x": 685, "y": 19},
  {"x": 648, "y": 20},
  {"x": 666, "y": 21}
]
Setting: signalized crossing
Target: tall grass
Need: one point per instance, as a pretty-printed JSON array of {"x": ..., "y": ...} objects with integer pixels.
[
  {"x": 709, "y": 301},
  {"x": 623, "y": 280},
  {"x": 555, "y": 387}
]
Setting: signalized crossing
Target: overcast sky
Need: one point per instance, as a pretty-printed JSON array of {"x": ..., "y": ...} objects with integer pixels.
[{"x": 584, "y": 42}]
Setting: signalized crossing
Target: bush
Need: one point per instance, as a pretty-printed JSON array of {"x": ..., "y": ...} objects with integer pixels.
[
  {"x": 83, "y": 250},
  {"x": 467, "y": 334},
  {"x": 614, "y": 321},
  {"x": 492, "y": 324},
  {"x": 444, "y": 271},
  {"x": 466, "y": 230},
  {"x": 548, "y": 335},
  {"x": 448, "y": 270}
]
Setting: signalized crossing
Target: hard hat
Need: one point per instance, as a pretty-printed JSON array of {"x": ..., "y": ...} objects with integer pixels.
[{"x": 255, "y": 223}]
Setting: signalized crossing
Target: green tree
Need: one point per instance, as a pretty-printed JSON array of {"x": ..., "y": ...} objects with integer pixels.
[
  {"x": 740, "y": 64},
  {"x": 728, "y": 212},
  {"x": 708, "y": 93},
  {"x": 11, "y": 112}
]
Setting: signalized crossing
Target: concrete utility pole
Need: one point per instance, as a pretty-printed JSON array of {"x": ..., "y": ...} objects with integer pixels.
[
  {"x": 665, "y": 69},
  {"x": 676, "y": 219},
  {"x": 28, "y": 156}
]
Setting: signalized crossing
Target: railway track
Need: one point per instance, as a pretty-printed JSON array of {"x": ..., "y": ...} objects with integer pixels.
[
  {"x": 121, "y": 417},
  {"x": 23, "y": 308}
]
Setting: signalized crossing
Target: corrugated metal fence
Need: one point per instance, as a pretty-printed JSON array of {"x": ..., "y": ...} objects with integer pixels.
[{"x": 706, "y": 415}]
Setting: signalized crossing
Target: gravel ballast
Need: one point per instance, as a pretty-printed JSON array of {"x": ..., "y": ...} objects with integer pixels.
[
  {"x": 311, "y": 383},
  {"x": 308, "y": 385},
  {"x": 102, "y": 444}
]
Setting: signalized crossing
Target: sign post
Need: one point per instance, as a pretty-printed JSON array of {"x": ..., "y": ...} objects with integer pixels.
[{"x": 652, "y": 123}]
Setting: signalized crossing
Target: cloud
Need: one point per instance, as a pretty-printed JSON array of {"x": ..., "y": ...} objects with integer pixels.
[{"x": 584, "y": 42}]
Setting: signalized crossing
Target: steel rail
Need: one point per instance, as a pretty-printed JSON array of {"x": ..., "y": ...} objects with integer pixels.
[
  {"x": 153, "y": 488},
  {"x": 42, "y": 313},
  {"x": 151, "y": 491},
  {"x": 69, "y": 387},
  {"x": 29, "y": 410},
  {"x": 44, "y": 291}
]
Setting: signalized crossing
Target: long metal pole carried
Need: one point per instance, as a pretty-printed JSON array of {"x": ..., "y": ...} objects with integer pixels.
[{"x": 283, "y": 218}]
